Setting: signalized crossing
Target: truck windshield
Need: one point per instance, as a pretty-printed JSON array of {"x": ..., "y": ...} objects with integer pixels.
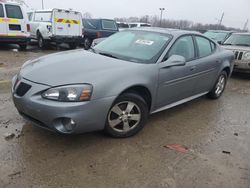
[
  {"x": 238, "y": 39},
  {"x": 136, "y": 46},
  {"x": 14, "y": 11}
]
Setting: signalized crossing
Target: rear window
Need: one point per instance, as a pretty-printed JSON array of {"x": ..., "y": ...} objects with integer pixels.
[
  {"x": 109, "y": 25},
  {"x": 14, "y": 11},
  {"x": 43, "y": 16},
  {"x": 90, "y": 24},
  {"x": 1, "y": 11}
]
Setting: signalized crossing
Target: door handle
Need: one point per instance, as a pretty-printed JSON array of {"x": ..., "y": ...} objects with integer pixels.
[{"x": 192, "y": 68}]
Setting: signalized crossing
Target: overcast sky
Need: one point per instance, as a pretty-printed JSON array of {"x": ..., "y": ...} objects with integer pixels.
[{"x": 204, "y": 11}]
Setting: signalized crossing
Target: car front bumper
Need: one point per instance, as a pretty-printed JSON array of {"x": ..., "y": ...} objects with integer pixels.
[
  {"x": 88, "y": 116},
  {"x": 242, "y": 66}
]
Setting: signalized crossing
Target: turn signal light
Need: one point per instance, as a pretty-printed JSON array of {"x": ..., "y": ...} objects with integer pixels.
[{"x": 85, "y": 95}]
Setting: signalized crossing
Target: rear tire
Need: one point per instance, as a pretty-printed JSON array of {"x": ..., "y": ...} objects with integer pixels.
[
  {"x": 219, "y": 86},
  {"x": 41, "y": 41},
  {"x": 127, "y": 116},
  {"x": 87, "y": 43},
  {"x": 23, "y": 46}
]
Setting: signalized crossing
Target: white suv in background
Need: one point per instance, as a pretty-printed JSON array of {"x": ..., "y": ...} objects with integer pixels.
[
  {"x": 14, "y": 27},
  {"x": 56, "y": 25}
]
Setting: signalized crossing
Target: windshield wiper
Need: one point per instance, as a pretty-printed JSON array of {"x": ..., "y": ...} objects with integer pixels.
[
  {"x": 108, "y": 55},
  {"x": 226, "y": 44},
  {"x": 242, "y": 44}
]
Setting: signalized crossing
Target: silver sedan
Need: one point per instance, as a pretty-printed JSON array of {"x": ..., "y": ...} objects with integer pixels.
[{"x": 123, "y": 79}]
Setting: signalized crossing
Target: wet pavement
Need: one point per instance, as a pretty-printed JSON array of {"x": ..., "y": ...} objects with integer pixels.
[{"x": 216, "y": 133}]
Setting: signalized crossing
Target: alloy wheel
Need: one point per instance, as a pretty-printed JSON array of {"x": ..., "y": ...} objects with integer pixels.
[
  {"x": 124, "y": 116},
  {"x": 220, "y": 85}
]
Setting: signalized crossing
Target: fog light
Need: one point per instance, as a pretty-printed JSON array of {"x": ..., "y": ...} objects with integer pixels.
[
  {"x": 69, "y": 124},
  {"x": 65, "y": 125}
]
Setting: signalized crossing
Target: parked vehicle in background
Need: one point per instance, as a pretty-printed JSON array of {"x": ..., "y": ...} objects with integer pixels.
[
  {"x": 14, "y": 27},
  {"x": 138, "y": 24},
  {"x": 218, "y": 35},
  {"x": 122, "y": 25},
  {"x": 97, "y": 28},
  {"x": 126, "y": 77},
  {"x": 239, "y": 43},
  {"x": 56, "y": 25}
]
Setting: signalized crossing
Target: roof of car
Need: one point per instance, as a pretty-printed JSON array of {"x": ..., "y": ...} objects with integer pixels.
[
  {"x": 242, "y": 33},
  {"x": 175, "y": 32}
]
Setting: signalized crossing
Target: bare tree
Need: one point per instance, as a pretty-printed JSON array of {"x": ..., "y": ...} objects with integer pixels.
[{"x": 87, "y": 15}]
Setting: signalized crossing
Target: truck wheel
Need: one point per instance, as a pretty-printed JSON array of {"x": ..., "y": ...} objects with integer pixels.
[
  {"x": 23, "y": 46},
  {"x": 41, "y": 42},
  {"x": 72, "y": 46},
  {"x": 87, "y": 43}
]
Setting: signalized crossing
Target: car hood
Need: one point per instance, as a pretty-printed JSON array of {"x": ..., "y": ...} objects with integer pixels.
[
  {"x": 73, "y": 67},
  {"x": 238, "y": 48}
]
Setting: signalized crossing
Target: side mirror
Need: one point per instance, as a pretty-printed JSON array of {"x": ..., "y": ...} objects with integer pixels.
[{"x": 173, "y": 61}]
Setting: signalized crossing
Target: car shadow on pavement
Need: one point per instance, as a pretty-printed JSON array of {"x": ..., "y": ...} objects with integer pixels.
[{"x": 242, "y": 76}]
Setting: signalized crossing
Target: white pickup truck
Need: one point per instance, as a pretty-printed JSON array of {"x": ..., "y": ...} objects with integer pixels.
[{"x": 56, "y": 25}]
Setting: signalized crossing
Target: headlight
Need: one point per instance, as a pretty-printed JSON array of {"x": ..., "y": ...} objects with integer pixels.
[
  {"x": 70, "y": 93},
  {"x": 247, "y": 56}
]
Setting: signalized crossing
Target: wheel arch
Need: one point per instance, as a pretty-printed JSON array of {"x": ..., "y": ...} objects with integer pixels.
[{"x": 142, "y": 91}]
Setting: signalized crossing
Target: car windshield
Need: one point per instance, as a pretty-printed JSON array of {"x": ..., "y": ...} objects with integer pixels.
[
  {"x": 218, "y": 36},
  {"x": 238, "y": 39},
  {"x": 135, "y": 46}
]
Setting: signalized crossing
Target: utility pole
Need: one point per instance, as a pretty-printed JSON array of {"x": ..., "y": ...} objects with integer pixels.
[
  {"x": 161, "y": 9},
  {"x": 222, "y": 16},
  {"x": 245, "y": 26},
  {"x": 42, "y": 5}
]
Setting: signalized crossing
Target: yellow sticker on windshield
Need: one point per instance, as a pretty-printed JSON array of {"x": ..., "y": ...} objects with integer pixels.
[{"x": 144, "y": 42}]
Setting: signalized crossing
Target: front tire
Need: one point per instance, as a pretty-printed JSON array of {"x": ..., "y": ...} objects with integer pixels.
[
  {"x": 219, "y": 86},
  {"x": 127, "y": 116}
]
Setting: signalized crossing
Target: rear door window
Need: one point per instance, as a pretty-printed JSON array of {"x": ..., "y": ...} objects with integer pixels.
[
  {"x": 204, "y": 46},
  {"x": 14, "y": 11},
  {"x": 1, "y": 11},
  {"x": 109, "y": 25},
  {"x": 43, "y": 16},
  {"x": 184, "y": 46}
]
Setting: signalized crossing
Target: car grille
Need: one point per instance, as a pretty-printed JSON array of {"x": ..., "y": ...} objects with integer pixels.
[
  {"x": 238, "y": 55},
  {"x": 22, "y": 89}
]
